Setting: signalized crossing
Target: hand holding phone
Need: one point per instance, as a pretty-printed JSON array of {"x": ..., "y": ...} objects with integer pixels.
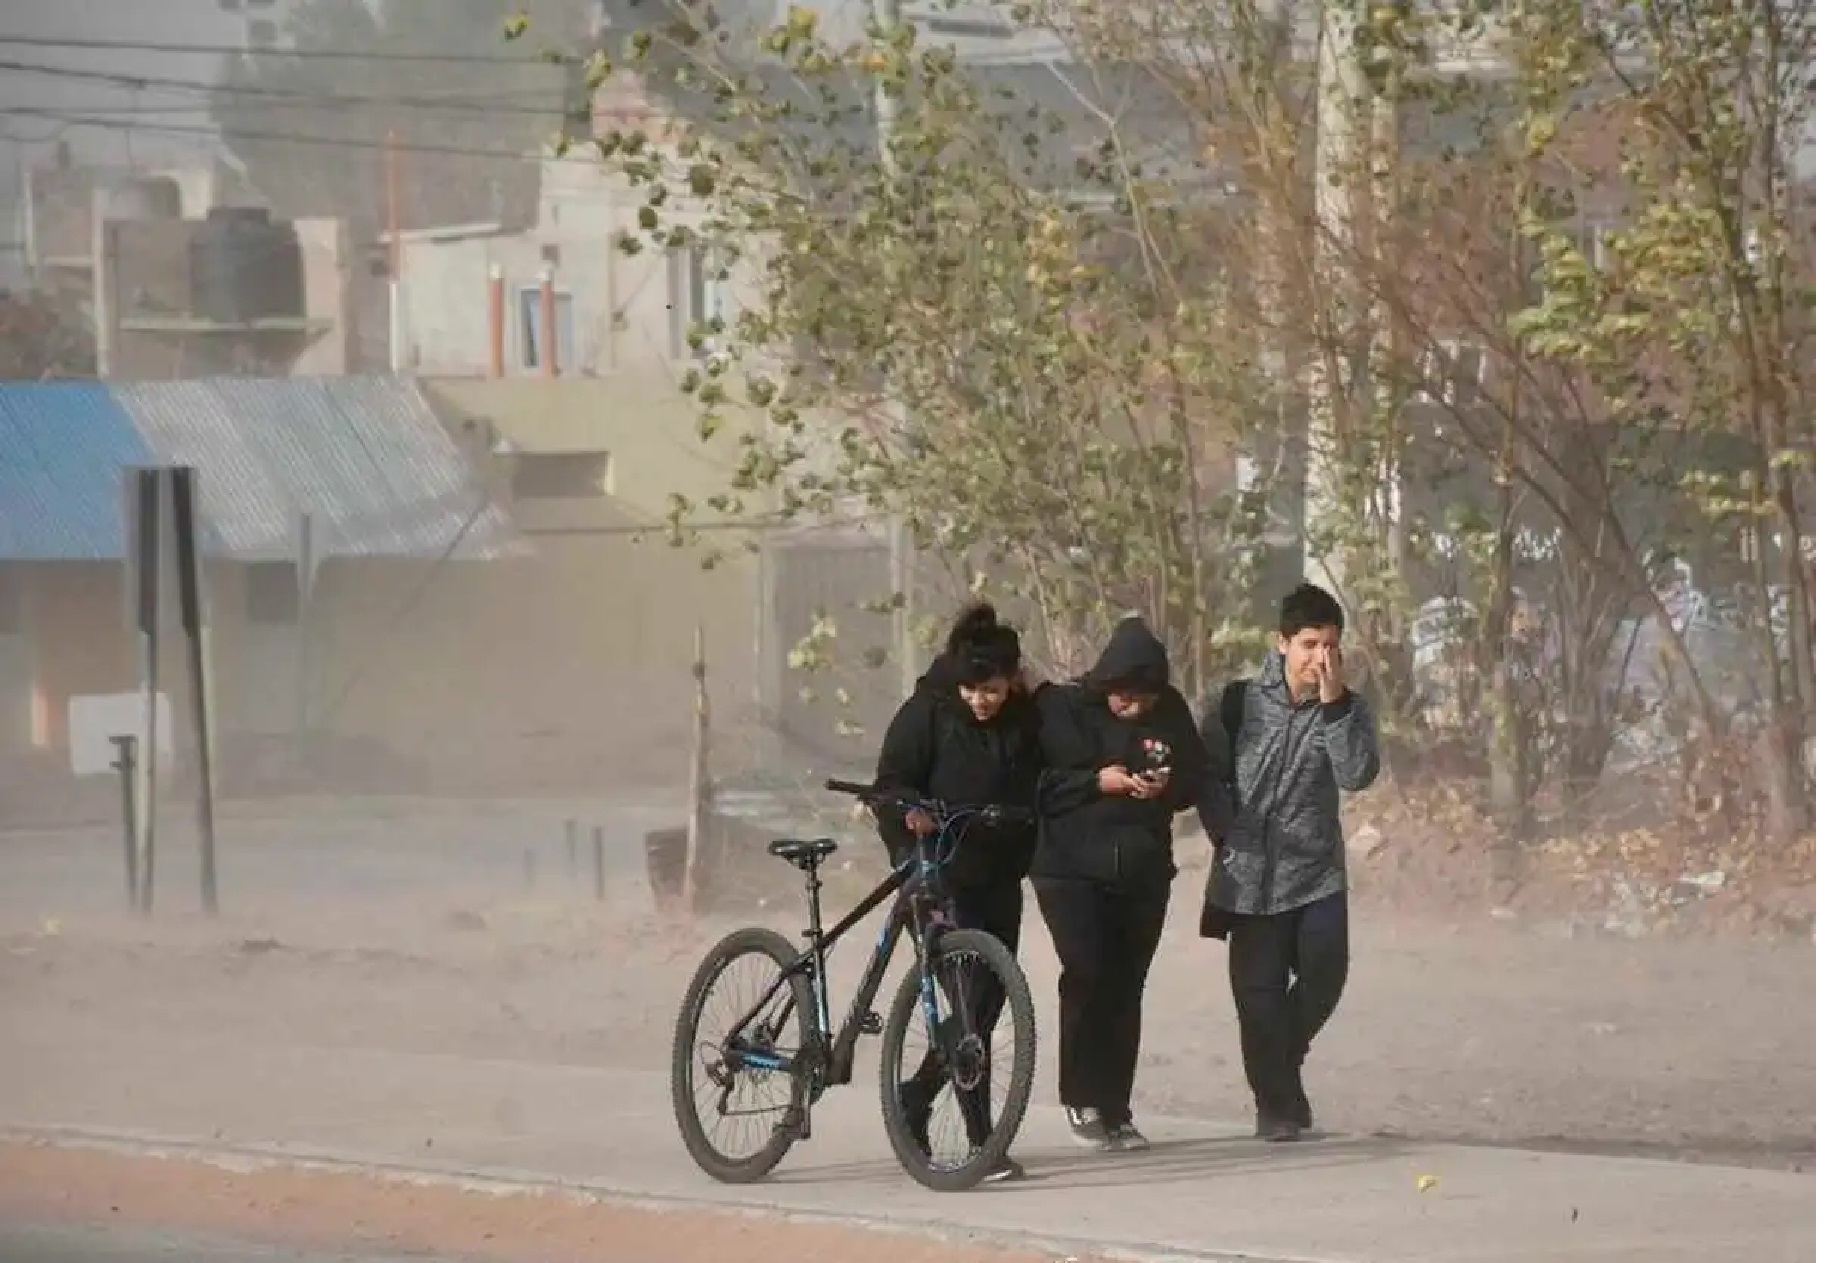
[{"x": 1152, "y": 783}]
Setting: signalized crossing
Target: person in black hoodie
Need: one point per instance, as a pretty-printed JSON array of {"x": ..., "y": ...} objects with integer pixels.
[
  {"x": 967, "y": 735},
  {"x": 1122, "y": 757}
]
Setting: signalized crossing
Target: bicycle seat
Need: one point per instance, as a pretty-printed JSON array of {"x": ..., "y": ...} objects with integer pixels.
[{"x": 801, "y": 850}]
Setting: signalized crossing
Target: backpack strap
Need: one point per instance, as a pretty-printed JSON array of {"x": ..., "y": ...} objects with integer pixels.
[{"x": 1229, "y": 710}]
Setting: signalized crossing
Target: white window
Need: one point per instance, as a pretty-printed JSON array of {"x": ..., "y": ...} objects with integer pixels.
[
  {"x": 698, "y": 297},
  {"x": 532, "y": 320},
  {"x": 1452, "y": 371}
]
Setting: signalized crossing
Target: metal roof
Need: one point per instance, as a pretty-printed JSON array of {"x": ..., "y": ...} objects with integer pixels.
[
  {"x": 365, "y": 457},
  {"x": 62, "y": 447}
]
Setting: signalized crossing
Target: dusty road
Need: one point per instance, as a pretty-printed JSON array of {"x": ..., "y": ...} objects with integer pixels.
[
  {"x": 419, "y": 932},
  {"x": 116, "y": 1243},
  {"x": 83, "y": 1206}
]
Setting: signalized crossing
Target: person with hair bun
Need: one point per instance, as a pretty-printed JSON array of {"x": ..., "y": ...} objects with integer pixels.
[{"x": 968, "y": 734}]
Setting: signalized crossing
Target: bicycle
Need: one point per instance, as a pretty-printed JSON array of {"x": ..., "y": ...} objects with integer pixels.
[{"x": 751, "y": 1053}]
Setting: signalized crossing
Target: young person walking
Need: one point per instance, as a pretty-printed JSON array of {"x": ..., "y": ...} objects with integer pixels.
[
  {"x": 968, "y": 734},
  {"x": 1122, "y": 756},
  {"x": 1282, "y": 746}
]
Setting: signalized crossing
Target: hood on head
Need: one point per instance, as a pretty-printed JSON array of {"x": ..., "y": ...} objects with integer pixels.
[
  {"x": 940, "y": 677},
  {"x": 1134, "y": 658}
]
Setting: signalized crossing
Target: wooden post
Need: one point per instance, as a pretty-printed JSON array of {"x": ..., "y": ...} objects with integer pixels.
[
  {"x": 698, "y": 821},
  {"x": 601, "y": 861},
  {"x": 124, "y": 762}
]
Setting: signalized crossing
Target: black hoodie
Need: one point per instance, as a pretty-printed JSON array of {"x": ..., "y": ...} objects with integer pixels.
[
  {"x": 934, "y": 747},
  {"x": 1085, "y": 833}
]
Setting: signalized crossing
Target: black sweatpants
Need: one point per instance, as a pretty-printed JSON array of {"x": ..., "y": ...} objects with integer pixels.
[
  {"x": 1286, "y": 972},
  {"x": 995, "y": 907},
  {"x": 1105, "y": 937}
]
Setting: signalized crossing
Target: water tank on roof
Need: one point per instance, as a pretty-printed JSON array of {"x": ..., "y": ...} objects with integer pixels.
[
  {"x": 156, "y": 197},
  {"x": 244, "y": 266}
]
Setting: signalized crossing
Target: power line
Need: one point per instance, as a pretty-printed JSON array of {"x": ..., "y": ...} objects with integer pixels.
[
  {"x": 458, "y": 104},
  {"x": 291, "y": 138},
  {"x": 327, "y": 54}
]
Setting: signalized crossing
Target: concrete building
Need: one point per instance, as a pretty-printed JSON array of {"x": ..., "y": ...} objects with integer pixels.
[
  {"x": 182, "y": 280},
  {"x": 435, "y": 642},
  {"x": 475, "y": 296}
]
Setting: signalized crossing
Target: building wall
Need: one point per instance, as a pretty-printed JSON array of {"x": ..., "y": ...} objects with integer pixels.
[
  {"x": 60, "y": 204},
  {"x": 142, "y": 273},
  {"x": 558, "y": 670},
  {"x": 563, "y": 669},
  {"x": 627, "y": 311}
]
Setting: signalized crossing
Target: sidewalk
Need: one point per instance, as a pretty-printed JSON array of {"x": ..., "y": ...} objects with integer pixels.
[{"x": 1205, "y": 1191}]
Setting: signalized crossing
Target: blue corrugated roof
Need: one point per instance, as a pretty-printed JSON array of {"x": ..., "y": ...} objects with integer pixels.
[
  {"x": 63, "y": 446},
  {"x": 364, "y": 456}
]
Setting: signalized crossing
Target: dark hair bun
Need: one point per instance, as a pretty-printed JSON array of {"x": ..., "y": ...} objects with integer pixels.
[
  {"x": 981, "y": 646},
  {"x": 977, "y": 623}
]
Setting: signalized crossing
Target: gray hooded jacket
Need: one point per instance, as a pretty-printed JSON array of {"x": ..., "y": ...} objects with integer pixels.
[{"x": 1271, "y": 804}]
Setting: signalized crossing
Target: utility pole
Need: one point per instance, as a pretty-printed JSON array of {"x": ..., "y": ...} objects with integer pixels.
[
  {"x": 396, "y": 310},
  {"x": 902, "y": 555}
]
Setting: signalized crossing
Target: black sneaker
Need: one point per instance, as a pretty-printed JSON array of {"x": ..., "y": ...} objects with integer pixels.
[
  {"x": 1274, "y": 1129},
  {"x": 1127, "y": 1138},
  {"x": 1301, "y": 1113},
  {"x": 916, "y": 1111},
  {"x": 1005, "y": 1170},
  {"x": 1087, "y": 1127}
]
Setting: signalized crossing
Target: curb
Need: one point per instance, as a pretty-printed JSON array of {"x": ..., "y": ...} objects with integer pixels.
[{"x": 245, "y": 1158}]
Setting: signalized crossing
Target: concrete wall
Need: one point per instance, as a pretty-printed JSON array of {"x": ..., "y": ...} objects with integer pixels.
[
  {"x": 558, "y": 670},
  {"x": 565, "y": 669},
  {"x": 141, "y": 281},
  {"x": 643, "y": 422},
  {"x": 623, "y": 321},
  {"x": 61, "y": 202}
]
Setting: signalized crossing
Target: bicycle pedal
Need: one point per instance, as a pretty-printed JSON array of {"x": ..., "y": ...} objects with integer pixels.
[{"x": 871, "y": 1024}]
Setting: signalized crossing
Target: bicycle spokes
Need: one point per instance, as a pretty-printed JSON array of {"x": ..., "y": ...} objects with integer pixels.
[
  {"x": 733, "y": 1086},
  {"x": 953, "y": 1082}
]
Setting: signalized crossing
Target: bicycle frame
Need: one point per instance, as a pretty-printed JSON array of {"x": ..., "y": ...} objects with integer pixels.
[{"x": 914, "y": 881}]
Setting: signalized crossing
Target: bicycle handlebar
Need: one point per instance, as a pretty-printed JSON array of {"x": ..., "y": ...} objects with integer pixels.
[{"x": 873, "y": 797}]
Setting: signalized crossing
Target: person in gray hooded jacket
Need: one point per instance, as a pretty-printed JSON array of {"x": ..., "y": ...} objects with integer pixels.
[{"x": 1282, "y": 745}]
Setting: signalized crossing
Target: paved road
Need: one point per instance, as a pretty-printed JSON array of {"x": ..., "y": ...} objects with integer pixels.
[
  {"x": 1205, "y": 1190},
  {"x": 131, "y": 1244}
]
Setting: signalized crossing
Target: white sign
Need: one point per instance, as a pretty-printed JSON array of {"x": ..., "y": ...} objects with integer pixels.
[{"x": 98, "y": 718}]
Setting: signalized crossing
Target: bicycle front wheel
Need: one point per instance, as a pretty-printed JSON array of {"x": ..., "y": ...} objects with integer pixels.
[
  {"x": 739, "y": 1089},
  {"x": 953, "y": 1098}
]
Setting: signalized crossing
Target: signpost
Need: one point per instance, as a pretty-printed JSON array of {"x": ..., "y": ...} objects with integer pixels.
[{"x": 161, "y": 500}]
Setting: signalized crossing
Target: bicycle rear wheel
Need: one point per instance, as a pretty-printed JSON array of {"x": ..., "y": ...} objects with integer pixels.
[
  {"x": 986, "y": 1045},
  {"x": 703, "y": 1072}
]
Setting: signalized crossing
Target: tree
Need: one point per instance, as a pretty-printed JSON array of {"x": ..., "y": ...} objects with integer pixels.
[
  {"x": 1014, "y": 341},
  {"x": 1700, "y": 319},
  {"x": 39, "y": 339},
  {"x": 313, "y": 130},
  {"x": 1415, "y": 205}
]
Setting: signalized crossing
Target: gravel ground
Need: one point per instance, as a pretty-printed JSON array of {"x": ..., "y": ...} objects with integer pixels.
[{"x": 420, "y": 932}]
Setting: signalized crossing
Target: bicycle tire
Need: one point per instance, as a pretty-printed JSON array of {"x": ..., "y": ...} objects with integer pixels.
[
  {"x": 686, "y": 1039},
  {"x": 1025, "y": 1053}
]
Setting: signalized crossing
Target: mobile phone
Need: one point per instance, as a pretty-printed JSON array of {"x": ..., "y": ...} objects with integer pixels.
[{"x": 1156, "y": 774}]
